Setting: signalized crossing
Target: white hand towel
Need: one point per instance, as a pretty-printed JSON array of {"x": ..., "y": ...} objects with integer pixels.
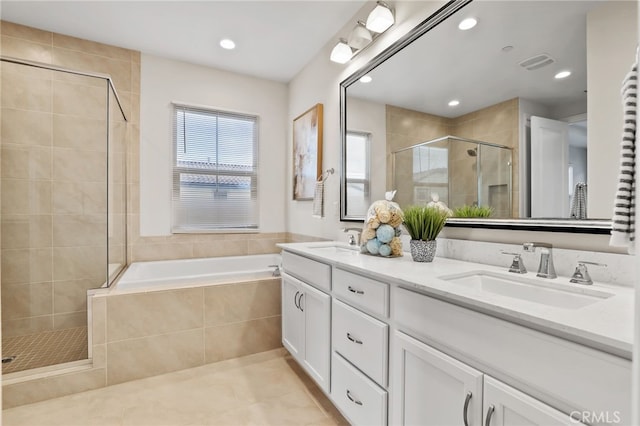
[
  {"x": 318, "y": 200},
  {"x": 623, "y": 228}
]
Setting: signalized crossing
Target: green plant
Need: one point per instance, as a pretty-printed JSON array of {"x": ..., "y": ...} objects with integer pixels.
[
  {"x": 473, "y": 211},
  {"x": 424, "y": 223}
]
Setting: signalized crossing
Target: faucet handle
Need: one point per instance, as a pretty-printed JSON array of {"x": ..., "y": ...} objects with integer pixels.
[
  {"x": 517, "y": 266},
  {"x": 581, "y": 274}
]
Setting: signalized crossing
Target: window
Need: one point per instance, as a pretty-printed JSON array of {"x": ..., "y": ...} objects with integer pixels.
[
  {"x": 358, "y": 184},
  {"x": 215, "y": 172}
]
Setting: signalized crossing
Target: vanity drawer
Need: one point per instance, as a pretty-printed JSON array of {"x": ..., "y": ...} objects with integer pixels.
[
  {"x": 361, "y": 339},
  {"x": 363, "y": 292},
  {"x": 360, "y": 400},
  {"x": 310, "y": 271}
]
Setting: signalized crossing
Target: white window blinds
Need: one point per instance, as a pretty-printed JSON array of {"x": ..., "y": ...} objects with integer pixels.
[{"x": 215, "y": 172}]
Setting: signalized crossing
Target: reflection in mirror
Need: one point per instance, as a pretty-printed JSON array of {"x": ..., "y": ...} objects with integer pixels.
[
  {"x": 462, "y": 173},
  {"x": 563, "y": 133},
  {"x": 357, "y": 173}
]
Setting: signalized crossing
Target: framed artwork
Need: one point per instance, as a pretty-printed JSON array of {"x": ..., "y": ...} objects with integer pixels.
[{"x": 307, "y": 152}]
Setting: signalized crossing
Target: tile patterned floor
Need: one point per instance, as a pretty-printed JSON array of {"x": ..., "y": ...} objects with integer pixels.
[
  {"x": 45, "y": 348},
  {"x": 262, "y": 389}
]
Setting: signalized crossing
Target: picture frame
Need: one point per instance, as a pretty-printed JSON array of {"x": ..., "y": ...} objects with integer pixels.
[{"x": 307, "y": 152}]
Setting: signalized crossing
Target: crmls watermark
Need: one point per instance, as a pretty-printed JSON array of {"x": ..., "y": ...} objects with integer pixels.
[{"x": 590, "y": 417}]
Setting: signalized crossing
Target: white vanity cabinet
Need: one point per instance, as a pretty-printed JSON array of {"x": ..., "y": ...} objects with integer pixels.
[
  {"x": 553, "y": 377},
  {"x": 391, "y": 352},
  {"x": 360, "y": 344},
  {"x": 506, "y": 406},
  {"x": 432, "y": 388},
  {"x": 306, "y": 325}
]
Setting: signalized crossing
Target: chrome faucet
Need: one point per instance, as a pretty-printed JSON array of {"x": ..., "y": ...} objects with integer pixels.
[
  {"x": 276, "y": 272},
  {"x": 581, "y": 274},
  {"x": 352, "y": 238},
  {"x": 517, "y": 266},
  {"x": 545, "y": 269}
]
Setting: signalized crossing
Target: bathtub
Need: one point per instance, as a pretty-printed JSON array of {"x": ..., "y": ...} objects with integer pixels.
[{"x": 194, "y": 272}]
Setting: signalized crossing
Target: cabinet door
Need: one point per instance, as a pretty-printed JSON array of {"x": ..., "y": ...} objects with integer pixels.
[
  {"x": 316, "y": 307},
  {"x": 507, "y": 406},
  {"x": 431, "y": 388},
  {"x": 292, "y": 326}
]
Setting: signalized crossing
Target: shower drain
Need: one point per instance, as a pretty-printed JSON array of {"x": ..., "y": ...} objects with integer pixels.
[{"x": 8, "y": 359}]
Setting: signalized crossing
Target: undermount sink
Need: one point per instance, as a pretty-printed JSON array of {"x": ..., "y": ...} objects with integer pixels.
[
  {"x": 335, "y": 248},
  {"x": 531, "y": 290}
]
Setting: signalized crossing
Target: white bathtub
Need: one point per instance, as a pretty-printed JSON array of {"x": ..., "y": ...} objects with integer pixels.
[{"x": 193, "y": 272}]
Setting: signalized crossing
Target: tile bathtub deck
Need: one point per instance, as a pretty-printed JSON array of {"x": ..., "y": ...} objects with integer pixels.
[{"x": 263, "y": 389}]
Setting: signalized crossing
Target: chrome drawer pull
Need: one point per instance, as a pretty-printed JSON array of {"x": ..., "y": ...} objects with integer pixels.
[
  {"x": 359, "y": 342},
  {"x": 489, "y": 415},
  {"x": 467, "y": 400},
  {"x": 353, "y": 290},
  {"x": 352, "y": 399}
]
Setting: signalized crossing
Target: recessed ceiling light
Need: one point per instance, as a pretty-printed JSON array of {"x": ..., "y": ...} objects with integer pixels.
[
  {"x": 563, "y": 74},
  {"x": 366, "y": 79},
  {"x": 228, "y": 44},
  {"x": 467, "y": 24},
  {"x": 454, "y": 102}
]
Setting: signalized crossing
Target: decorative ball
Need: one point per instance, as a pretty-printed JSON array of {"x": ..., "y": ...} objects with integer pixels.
[
  {"x": 385, "y": 233},
  {"x": 384, "y": 250},
  {"x": 384, "y": 216},
  {"x": 373, "y": 246}
]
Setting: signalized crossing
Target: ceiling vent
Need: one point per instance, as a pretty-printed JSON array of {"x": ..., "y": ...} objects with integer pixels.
[{"x": 538, "y": 61}]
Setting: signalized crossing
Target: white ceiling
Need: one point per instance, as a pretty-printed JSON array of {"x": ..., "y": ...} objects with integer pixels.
[
  {"x": 275, "y": 39},
  {"x": 471, "y": 66}
]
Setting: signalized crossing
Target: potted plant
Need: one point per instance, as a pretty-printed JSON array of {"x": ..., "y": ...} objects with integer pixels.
[
  {"x": 473, "y": 211},
  {"x": 424, "y": 223}
]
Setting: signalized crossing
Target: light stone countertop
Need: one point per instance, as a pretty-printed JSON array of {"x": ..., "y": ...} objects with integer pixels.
[{"x": 605, "y": 325}]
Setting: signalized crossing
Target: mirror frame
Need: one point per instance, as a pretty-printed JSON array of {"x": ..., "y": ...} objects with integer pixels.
[{"x": 589, "y": 226}]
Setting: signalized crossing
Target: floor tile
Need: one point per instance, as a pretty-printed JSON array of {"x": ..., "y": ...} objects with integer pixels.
[{"x": 264, "y": 389}]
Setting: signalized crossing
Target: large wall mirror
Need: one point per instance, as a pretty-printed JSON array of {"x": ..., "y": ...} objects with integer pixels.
[{"x": 483, "y": 118}]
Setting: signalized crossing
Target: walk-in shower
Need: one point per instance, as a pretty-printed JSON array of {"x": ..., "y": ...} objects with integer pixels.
[
  {"x": 63, "y": 192},
  {"x": 462, "y": 172}
]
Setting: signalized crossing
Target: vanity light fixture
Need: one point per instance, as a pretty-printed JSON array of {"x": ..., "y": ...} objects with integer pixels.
[
  {"x": 365, "y": 79},
  {"x": 562, "y": 74},
  {"x": 227, "y": 43},
  {"x": 363, "y": 34},
  {"x": 467, "y": 24},
  {"x": 341, "y": 53},
  {"x": 359, "y": 36},
  {"x": 380, "y": 18},
  {"x": 454, "y": 103}
]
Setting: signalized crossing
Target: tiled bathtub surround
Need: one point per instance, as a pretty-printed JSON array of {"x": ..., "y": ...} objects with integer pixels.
[
  {"x": 138, "y": 335},
  {"x": 620, "y": 269}
]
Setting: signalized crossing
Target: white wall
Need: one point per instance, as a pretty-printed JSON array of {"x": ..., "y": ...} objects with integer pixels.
[
  {"x": 611, "y": 45},
  {"x": 319, "y": 82},
  {"x": 163, "y": 81}
]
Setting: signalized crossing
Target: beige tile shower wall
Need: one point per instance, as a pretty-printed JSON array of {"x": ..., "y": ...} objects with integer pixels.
[
  {"x": 496, "y": 124},
  {"x": 54, "y": 138}
]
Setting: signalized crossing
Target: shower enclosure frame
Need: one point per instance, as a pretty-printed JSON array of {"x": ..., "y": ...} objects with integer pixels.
[
  {"x": 111, "y": 275},
  {"x": 465, "y": 140},
  {"x": 115, "y": 187}
]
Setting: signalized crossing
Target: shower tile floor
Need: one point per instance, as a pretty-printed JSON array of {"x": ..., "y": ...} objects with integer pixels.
[
  {"x": 44, "y": 348},
  {"x": 262, "y": 389}
]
